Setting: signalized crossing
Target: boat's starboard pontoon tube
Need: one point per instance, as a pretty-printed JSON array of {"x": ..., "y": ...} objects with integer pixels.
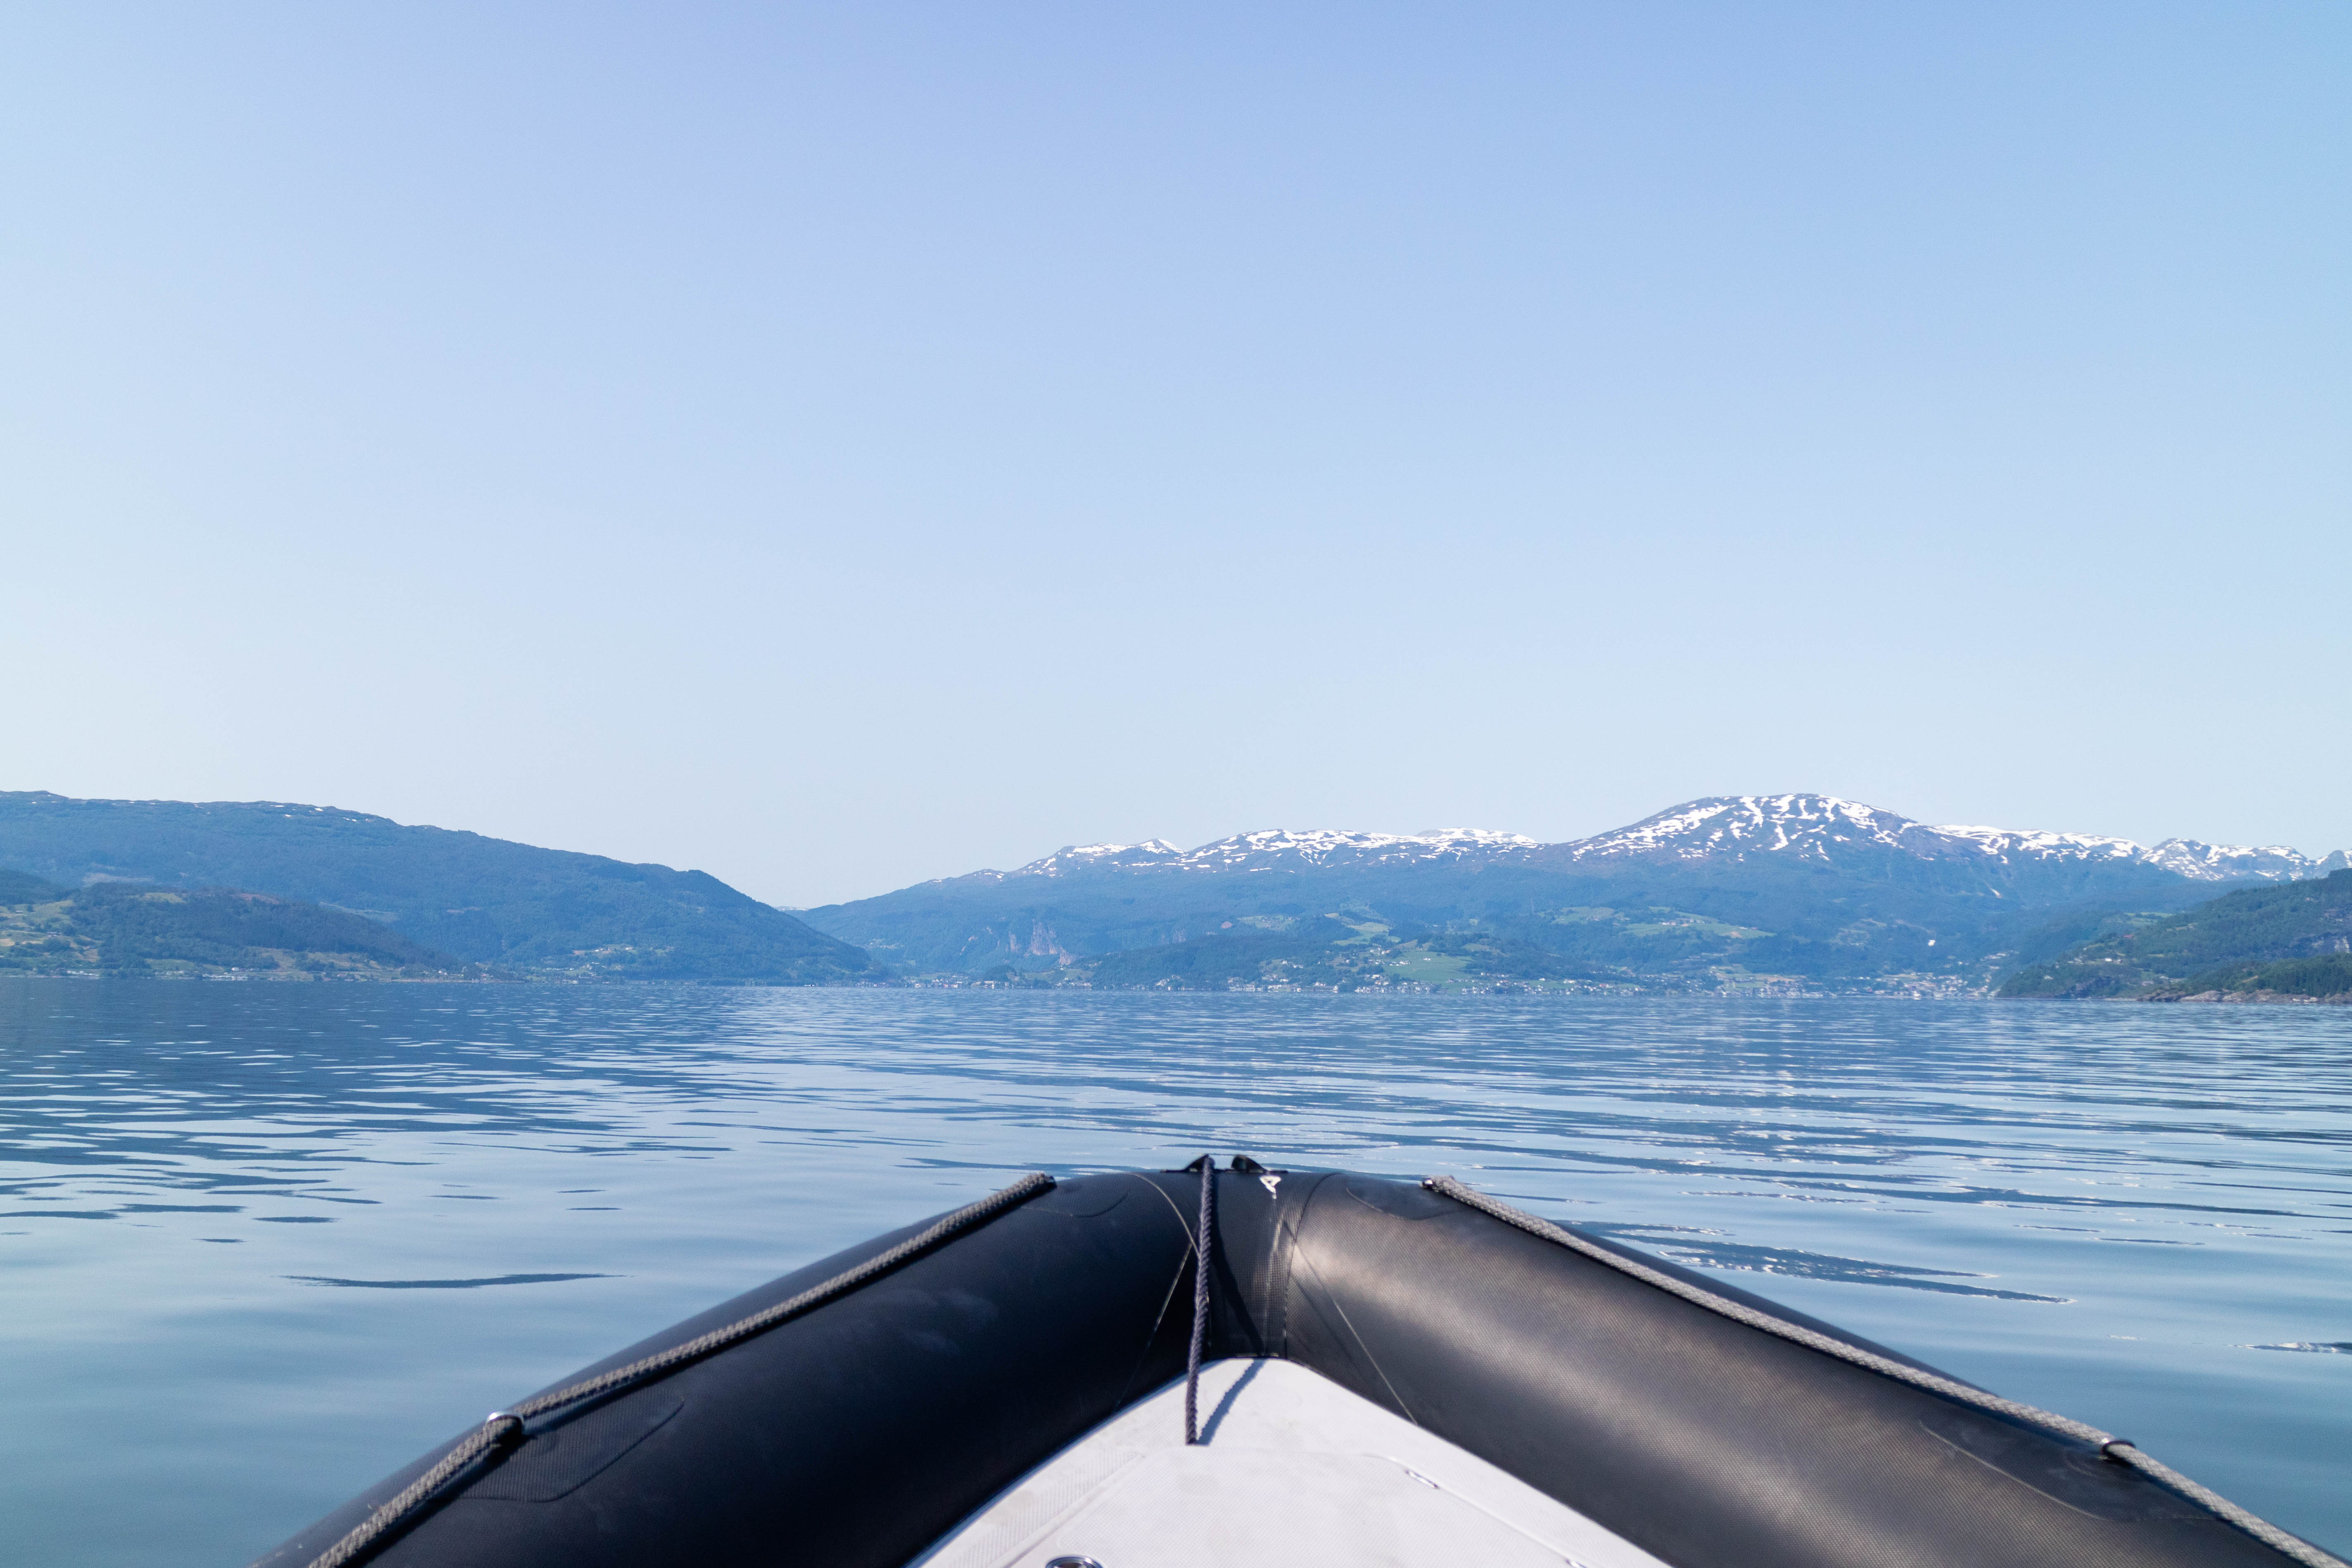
[{"x": 1381, "y": 1371}]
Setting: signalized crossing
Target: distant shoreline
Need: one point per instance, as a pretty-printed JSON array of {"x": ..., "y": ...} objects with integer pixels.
[{"x": 959, "y": 983}]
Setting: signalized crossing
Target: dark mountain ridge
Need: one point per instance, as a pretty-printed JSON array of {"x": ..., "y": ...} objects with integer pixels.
[{"x": 484, "y": 900}]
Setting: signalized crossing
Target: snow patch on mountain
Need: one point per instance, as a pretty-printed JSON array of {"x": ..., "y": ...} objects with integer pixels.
[
  {"x": 1727, "y": 826},
  {"x": 1721, "y": 827},
  {"x": 1075, "y": 858},
  {"x": 2011, "y": 844},
  {"x": 1278, "y": 849},
  {"x": 1814, "y": 826},
  {"x": 2233, "y": 862}
]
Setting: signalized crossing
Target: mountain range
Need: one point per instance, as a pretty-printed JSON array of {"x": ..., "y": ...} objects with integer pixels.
[
  {"x": 1725, "y": 892},
  {"x": 1729, "y": 893},
  {"x": 1721, "y": 828}
]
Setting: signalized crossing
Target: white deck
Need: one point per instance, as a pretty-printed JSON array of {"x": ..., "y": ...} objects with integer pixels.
[{"x": 1294, "y": 1472}]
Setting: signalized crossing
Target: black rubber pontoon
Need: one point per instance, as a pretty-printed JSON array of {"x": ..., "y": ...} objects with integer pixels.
[{"x": 862, "y": 1411}]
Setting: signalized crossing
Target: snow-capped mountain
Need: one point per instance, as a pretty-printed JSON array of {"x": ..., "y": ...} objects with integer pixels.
[
  {"x": 1814, "y": 827},
  {"x": 2233, "y": 863},
  {"x": 1273, "y": 849},
  {"x": 1732, "y": 827},
  {"x": 1721, "y": 828}
]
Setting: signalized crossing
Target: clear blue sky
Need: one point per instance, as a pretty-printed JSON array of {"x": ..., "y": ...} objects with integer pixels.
[{"x": 834, "y": 447}]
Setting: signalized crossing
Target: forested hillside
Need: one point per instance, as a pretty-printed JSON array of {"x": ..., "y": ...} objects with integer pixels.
[
  {"x": 484, "y": 900},
  {"x": 2293, "y": 939},
  {"x": 124, "y": 928}
]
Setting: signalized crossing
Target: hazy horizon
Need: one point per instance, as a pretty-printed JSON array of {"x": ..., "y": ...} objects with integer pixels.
[{"x": 837, "y": 449}]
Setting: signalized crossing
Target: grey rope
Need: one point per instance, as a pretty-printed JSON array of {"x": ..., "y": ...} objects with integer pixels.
[
  {"x": 2121, "y": 1450},
  {"x": 501, "y": 1430},
  {"x": 504, "y": 1428},
  {"x": 1201, "y": 1238}
]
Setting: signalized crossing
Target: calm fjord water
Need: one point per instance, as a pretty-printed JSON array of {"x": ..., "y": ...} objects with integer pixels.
[{"x": 261, "y": 1244}]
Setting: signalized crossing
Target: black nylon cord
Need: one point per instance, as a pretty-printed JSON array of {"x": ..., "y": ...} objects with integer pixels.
[{"x": 1202, "y": 1232}]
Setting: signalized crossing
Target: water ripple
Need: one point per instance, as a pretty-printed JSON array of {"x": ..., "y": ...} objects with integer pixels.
[{"x": 252, "y": 1231}]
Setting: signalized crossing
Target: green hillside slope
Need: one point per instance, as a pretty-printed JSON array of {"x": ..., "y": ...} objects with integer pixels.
[
  {"x": 2296, "y": 928},
  {"x": 2323, "y": 979},
  {"x": 1346, "y": 953},
  {"x": 23, "y": 888},
  {"x": 117, "y": 928},
  {"x": 484, "y": 900}
]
